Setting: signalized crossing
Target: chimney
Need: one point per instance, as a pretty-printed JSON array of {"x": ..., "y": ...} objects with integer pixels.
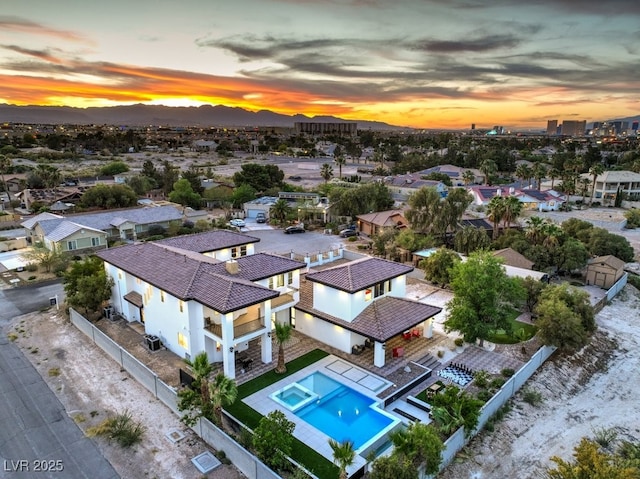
[{"x": 232, "y": 266}]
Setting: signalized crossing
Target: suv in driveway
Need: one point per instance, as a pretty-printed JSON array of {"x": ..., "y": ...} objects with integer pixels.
[
  {"x": 261, "y": 218},
  {"x": 294, "y": 229}
]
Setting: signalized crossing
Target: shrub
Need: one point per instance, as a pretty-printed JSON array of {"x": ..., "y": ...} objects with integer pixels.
[
  {"x": 484, "y": 395},
  {"x": 507, "y": 372},
  {"x": 481, "y": 378},
  {"x": 605, "y": 437},
  {"x": 459, "y": 342},
  {"x": 31, "y": 278},
  {"x": 121, "y": 428},
  {"x": 532, "y": 397},
  {"x": 31, "y": 267},
  {"x": 496, "y": 383}
]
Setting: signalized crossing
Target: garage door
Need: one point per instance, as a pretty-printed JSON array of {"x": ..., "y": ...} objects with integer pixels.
[{"x": 253, "y": 213}]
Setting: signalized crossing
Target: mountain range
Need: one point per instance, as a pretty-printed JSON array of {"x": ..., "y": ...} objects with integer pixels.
[{"x": 138, "y": 115}]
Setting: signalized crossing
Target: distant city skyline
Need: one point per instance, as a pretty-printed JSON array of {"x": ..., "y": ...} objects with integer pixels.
[{"x": 416, "y": 63}]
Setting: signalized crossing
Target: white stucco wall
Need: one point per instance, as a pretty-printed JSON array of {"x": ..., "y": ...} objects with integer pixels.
[{"x": 327, "y": 333}]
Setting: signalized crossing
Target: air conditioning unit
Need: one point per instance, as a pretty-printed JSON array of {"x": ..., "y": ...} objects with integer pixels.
[
  {"x": 108, "y": 312},
  {"x": 153, "y": 342}
]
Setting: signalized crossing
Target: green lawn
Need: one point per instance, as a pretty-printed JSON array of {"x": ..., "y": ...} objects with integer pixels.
[
  {"x": 500, "y": 337},
  {"x": 318, "y": 464}
]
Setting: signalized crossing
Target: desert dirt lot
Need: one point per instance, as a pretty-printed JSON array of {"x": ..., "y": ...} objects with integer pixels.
[
  {"x": 91, "y": 387},
  {"x": 593, "y": 389}
]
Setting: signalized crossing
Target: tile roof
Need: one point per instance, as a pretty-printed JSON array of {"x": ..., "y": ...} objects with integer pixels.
[
  {"x": 382, "y": 320},
  {"x": 359, "y": 274},
  {"x": 382, "y": 218},
  {"x": 31, "y": 222},
  {"x": 190, "y": 275},
  {"x": 512, "y": 258},
  {"x": 209, "y": 241},
  {"x": 64, "y": 229},
  {"x": 143, "y": 216}
]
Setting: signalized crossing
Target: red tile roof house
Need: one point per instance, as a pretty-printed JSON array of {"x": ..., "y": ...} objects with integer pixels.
[
  {"x": 204, "y": 292},
  {"x": 346, "y": 305}
]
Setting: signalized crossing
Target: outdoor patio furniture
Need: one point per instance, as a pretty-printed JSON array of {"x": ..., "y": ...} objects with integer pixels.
[
  {"x": 398, "y": 352},
  {"x": 415, "y": 332},
  {"x": 406, "y": 335},
  {"x": 357, "y": 349}
]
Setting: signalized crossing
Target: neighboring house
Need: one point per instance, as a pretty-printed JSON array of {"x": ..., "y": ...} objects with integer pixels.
[
  {"x": 456, "y": 173},
  {"x": 360, "y": 302},
  {"x": 372, "y": 223},
  {"x": 609, "y": 182},
  {"x": 511, "y": 257},
  {"x": 604, "y": 271},
  {"x": 123, "y": 224},
  {"x": 403, "y": 186},
  {"x": 205, "y": 292},
  {"x": 49, "y": 196},
  {"x": 259, "y": 205},
  {"x": 536, "y": 200}
]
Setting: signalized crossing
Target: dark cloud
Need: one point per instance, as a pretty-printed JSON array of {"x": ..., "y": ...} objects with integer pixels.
[
  {"x": 483, "y": 44},
  {"x": 46, "y": 54},
  {"x": 18, "y": 24}
]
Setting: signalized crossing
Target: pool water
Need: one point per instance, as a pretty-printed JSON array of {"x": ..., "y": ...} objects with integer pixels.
[
  {"x": 343, "y": 413},
  {"x": 293, "y": 396}
]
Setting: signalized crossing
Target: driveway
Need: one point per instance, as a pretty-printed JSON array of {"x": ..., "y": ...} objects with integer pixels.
[
  {"x": 28, "y": 298},
  {"x": 276, "y": 241}
]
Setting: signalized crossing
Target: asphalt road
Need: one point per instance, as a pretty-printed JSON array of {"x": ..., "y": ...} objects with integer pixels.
[
  {"x": 37, "y": 437},
  {"x": 27, "y": 299}
]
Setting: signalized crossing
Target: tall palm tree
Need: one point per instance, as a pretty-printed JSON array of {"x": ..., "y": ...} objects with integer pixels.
[
  {"x": 340, "y": 161},
  {"x": 201, "y": 370},
  {"x": 283, "y": 335},
  {"x": 523, "y": 172},
  {"x": 5, "y": 163},
  {"x": 495, "y": 211},
  {"x": 488, "y": 168},
  {"x": 595, "y": 171},
  {"x": 512, "y": 209},
  {"x": 534, "y": 230},
  {"x": 468, "y": 177},
  {"x": 553, "y": 174},
  {"x": 584, "y": 187},
  {"x": 539, "y": 171},
  {"x": 326, "y": 172},
  {"x": 222, "y": 391},
  {"x": 343, "y": 455}
]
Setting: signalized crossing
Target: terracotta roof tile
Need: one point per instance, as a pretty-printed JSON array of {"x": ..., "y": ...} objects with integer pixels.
[{"x": 209, "y": 241}]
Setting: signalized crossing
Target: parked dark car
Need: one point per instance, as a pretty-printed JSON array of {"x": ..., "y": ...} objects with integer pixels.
[
  {"x": 294, "y": 229},
  {"x": 261, "y": 218},
  {"x": 348, "y": 233}
]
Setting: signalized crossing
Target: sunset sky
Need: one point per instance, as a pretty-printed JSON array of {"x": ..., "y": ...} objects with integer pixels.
[{"x": 419, "y": 63}]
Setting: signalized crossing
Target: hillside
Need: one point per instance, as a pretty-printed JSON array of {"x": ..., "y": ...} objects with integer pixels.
[{"x": 136, "y": 115}]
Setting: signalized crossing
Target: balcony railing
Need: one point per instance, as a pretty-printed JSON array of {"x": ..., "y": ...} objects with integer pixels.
[
  {"x": 239, "y": 330},
  {"x": 283, "y": 299}
]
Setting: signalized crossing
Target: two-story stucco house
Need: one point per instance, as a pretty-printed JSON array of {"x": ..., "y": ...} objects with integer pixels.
[
  {"x": 359, "y": 302},
  {"x": 206, "y": 292}
]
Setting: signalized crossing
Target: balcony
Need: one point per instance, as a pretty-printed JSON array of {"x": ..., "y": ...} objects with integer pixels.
[
  {"x": 242, "y": 326},
  {"x": 285, "y": 299}
]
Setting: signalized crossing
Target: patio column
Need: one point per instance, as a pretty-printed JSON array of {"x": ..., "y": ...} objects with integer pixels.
[
  {"x": 429, "y": 331},
  {"x": 228, "y": 348},
  {"x": 378, "y": 354},
  {"x": 266, "y": 348}
]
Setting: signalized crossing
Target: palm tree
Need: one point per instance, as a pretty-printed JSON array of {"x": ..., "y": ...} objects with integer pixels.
[
  {"x": 283, "y": 335},
  {"x": 539, "y": 171},
  {"x": 448, "y": 421},
  {"x": 523, "y": 172},
  {"x": 201, "y": 370},
  {"x": 5, "y": 163},
  {"x": 343, "y": 455},
  {"x": 468, "y": 177},
  {"x": 222, "y": 391},
  {"x": 326, "y": 172},
  {"x": 488, "y": 168},
  {"x": 339, "y": 159},
  {"x": 553, "y": 174},
  {"x": 584, "y": 183},
  {"x": 534, "y": 230},
  {"x": 495, "y": 211},
  {"x": 595, "y": 171},
  {"x": 512, "y": 209},
  {"x": 280, "y": 210}
]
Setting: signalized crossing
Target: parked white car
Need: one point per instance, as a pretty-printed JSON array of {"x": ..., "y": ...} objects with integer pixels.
[{"x": 237, "y": 222}]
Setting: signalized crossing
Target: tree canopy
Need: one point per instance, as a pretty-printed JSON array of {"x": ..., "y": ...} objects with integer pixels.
[
  {"x": 260, "y": 177},
  {"x": 483, "y": 297},
  {"x": 183, "y": 194},
  {"x": 87, "y": 285},
  {"x": 109, "y": 196}
]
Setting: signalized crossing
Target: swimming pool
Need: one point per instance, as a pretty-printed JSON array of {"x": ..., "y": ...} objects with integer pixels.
[
  {"x": 293, "y": 396},
  {"x": 343, "y": 413}
]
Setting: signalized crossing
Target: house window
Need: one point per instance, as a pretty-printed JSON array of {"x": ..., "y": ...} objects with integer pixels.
[
  {"x": 382, "y": 288},
  {"x": 162, "y": 296},
  {"x": 290, "y": 278},
  {"x": 271, "y": 283},
  {"x": 238, "y": 251},
  {"x": 181, "y": 306},
  {"x": 280, "y": 280},
  {"x": 119, "y": 274},
  {"x": 182, "y": 340},
  {"x": 95, "y": 242},
  {"x": 293, "y": 317},
  {"x": 71, "y": 245},
  {"x": 138, "y": 281}
]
